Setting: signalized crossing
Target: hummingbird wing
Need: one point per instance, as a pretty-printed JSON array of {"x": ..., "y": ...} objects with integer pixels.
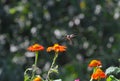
[{"x": 71, "y": 42}]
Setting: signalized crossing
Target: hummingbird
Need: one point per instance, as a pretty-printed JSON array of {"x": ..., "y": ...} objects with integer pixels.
[{"x": 69, "y": 38}]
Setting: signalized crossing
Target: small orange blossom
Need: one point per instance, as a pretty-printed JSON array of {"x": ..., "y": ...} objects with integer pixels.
[
  {"x": 38, "y": 78},
  {"x": 35, "y": 47},
  {"x": 95, "y": 63}
]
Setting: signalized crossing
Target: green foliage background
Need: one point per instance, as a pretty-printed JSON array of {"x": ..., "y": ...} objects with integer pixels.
[{"x": 96, "y": 24}]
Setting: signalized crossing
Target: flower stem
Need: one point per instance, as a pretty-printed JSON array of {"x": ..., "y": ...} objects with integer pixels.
[
  {"x": 36, "y": 57},
  {"x": 35, "y": 64},
  {"x": 91, "y": 79},
  {"x": 98, "y": 79},
  {"x": 52, "y": 65}
]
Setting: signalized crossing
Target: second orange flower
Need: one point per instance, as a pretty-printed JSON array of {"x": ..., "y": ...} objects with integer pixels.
[
  {"x": 56, "y": 48},
  {"x": 98, "y": 74}
]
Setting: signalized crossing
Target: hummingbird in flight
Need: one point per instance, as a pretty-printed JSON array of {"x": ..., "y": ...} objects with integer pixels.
[{"x": 69, "y": 38}]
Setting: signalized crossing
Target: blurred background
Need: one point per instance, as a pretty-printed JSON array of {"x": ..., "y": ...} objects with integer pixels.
[{"x": 95, "y": 23}]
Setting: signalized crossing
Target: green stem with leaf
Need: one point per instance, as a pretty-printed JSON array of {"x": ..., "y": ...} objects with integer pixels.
[
  {"x": 52, "y": 65},
  {"x": 35, "y": 65}
]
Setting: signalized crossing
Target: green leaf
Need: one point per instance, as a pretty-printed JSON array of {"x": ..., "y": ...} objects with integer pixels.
[
  {"x": 54, "y": 70},
  {"x": 112, "y": 78},
  {"x": 112, "y": 69},
  {"x": 109, "y": 79},
  {"x": 26, "y": 78},
  {"x": 117, "y": 70}
]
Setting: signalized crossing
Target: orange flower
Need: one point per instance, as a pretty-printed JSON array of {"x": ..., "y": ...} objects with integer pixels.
[
  {"x": 38, "y": 78},
  {"x": 35, "y": 47},
  {"x": 98, "y": 74},
  {"x": 57, "y": 48},
  {"x": 95, "y": 63}
]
